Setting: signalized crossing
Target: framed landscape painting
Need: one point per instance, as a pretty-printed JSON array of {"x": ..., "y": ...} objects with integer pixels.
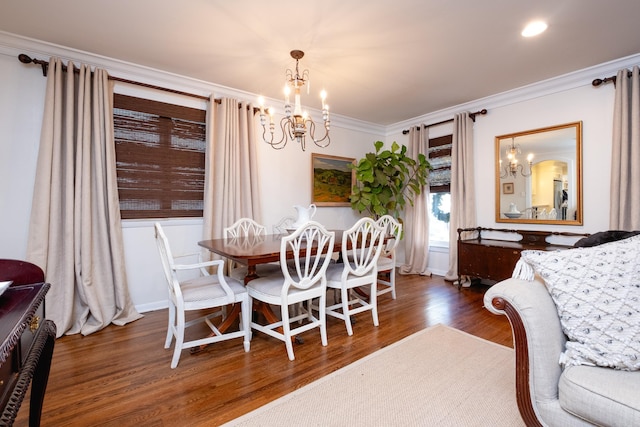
[{"x": 331, "y": 180}]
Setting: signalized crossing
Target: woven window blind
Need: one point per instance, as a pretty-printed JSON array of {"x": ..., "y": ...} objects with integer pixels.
[
  {"x": 440, "y": 160},
  {"x": 160, "y": 158}
]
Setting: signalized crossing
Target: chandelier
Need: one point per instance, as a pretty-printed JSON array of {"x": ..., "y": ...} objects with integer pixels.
[
  {"x": 512, "y": 168},
  {"x": 296, "y": 122}
]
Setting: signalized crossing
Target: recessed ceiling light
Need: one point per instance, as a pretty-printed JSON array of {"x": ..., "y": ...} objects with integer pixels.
[{"x": 534, "y": 28}]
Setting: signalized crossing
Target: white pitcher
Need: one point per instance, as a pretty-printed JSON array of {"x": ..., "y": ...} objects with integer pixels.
[{"x": 304, "y": 214}]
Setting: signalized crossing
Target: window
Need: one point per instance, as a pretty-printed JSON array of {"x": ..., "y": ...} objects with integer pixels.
[
  {"x": 439, "y": 209},
  {"x": 160, "y": 158},
  {"x": 439, "y": 186}
]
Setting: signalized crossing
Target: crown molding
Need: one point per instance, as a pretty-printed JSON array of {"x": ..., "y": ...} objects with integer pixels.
[
  {"x": 562, "y": 83},
  {"x": 13, "y": 45}
]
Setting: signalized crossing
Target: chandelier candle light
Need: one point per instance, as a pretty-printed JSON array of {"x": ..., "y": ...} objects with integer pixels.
[
  {"x": 513, "y": 167},
  {"x": 295, "y": 123}
]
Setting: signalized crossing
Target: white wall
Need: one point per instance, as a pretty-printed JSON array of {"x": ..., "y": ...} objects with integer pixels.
[
  {"x": 592, "y": 106},
  {"x": 285, "y": 176},
  {"x": 20, "y": 121}
]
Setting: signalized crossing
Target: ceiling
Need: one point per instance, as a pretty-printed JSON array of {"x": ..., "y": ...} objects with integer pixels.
[{"x": 380, "y": 61}]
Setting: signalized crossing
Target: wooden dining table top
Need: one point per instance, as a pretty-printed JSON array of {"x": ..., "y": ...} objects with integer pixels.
[{"x": 255, "y": 249}]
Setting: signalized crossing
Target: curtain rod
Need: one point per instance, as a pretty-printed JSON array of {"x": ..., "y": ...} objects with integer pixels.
[
  {"x": 25, "y": 59},
  {"x": 472, "y": 115},
  {"x": 598, "y": 82}
]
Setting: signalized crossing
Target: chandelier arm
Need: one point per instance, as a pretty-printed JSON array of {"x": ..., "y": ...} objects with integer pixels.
[
  {"x": 312, "y": 131},
  {"x": 509, "y": 170},
  {"x": 504, "y": 172},
  {"x": 275, "y": 145},
  {"x": 522, "y": 172},
  {"x": 264, "y": 130}
]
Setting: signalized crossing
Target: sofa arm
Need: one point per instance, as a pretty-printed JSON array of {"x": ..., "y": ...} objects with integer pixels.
[{"x": 538, "y": 342}]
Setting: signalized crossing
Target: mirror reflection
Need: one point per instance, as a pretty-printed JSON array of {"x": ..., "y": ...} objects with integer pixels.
[{"x": 539, "y": 175}]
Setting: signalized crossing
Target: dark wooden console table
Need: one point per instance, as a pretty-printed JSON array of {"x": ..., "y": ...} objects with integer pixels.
[
  {"x": 495, "y": 259},
  {"x": 26, "y": 350}
]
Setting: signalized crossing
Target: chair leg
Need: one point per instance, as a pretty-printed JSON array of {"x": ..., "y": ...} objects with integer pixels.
[
  {"x": 392, "y": 280},
  {"x": 373, "y": 300},
  {"x": 345, "y": 310},
  {"x": 246, "y": 323},
  {"x": 388, "y": 284},
  {"x": 286, "y": 331},
  {"x": 170, "y": 324},
  {"x": 322, "y": 317},
  {"x": 179, "y": 339}
]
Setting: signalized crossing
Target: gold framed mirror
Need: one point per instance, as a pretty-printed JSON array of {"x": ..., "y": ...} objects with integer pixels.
[{"x": 539, "y": 176}]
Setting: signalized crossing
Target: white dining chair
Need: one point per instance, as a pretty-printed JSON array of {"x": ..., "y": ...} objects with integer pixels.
[
  {"x": 283, "y": 225},
  {"x": 387, "y": 259},
  {"x": 302, "y": 283},
  {"x": 202, "y": 292},
  {"x": 361, "y": 248},
  {"x": 246, "y": 228}
]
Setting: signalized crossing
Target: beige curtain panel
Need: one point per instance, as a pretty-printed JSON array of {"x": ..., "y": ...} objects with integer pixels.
[
  {"x": 463, "y": 198},
  {"x": 416, "y": 221},
  {"x": 75, "y": 233},
  {"x": 231, "y": 172},
  {"x": 624, "y": 213}
]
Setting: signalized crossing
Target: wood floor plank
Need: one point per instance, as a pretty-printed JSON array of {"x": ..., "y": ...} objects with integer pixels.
[{"x": 121, "y": 376}]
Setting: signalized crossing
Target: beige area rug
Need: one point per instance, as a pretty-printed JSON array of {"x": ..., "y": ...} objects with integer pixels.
[{"x": 439, "y": 376}]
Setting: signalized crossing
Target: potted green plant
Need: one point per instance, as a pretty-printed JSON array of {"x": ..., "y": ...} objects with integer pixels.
[{"x": 386, "y": 180}]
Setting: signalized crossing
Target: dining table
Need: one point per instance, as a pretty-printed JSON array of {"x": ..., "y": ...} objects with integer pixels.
[{"x": 251, "y": 251}]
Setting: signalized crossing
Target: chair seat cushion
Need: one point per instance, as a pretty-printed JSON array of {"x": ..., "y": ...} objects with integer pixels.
[
  {"x": 334, "y": 272},
  {"x": 269, "y": 288},
  {"x": 334, "y": 275},
  {"x": 206, "y": 288},
  {"x": 385, "y": 263},
  {"x": 240, "y": 272},
  {"x": 602, "y": 396}
]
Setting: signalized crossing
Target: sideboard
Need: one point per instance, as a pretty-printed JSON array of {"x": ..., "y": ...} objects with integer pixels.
[
  {"x": 26, "y": 350},
  {"x": 495, "y": 259}
]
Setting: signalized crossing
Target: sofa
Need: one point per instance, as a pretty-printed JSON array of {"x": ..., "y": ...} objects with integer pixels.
[{"x": 553, "y": 389}]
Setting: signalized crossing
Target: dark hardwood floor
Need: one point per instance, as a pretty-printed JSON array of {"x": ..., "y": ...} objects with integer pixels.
[{"x": 120, "y": 376}]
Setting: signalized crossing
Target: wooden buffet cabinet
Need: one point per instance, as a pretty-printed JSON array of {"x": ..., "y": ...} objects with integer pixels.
[
  {"x": 27, "y": 347},
  {"x": 495, "y": 259}
]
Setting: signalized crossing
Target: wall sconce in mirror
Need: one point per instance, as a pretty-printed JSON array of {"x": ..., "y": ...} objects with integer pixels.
[{"x": 546, "y": 187}]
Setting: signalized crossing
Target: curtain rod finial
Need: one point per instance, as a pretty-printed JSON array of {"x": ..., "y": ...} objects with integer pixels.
[{"x": 26, "y": 59}]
